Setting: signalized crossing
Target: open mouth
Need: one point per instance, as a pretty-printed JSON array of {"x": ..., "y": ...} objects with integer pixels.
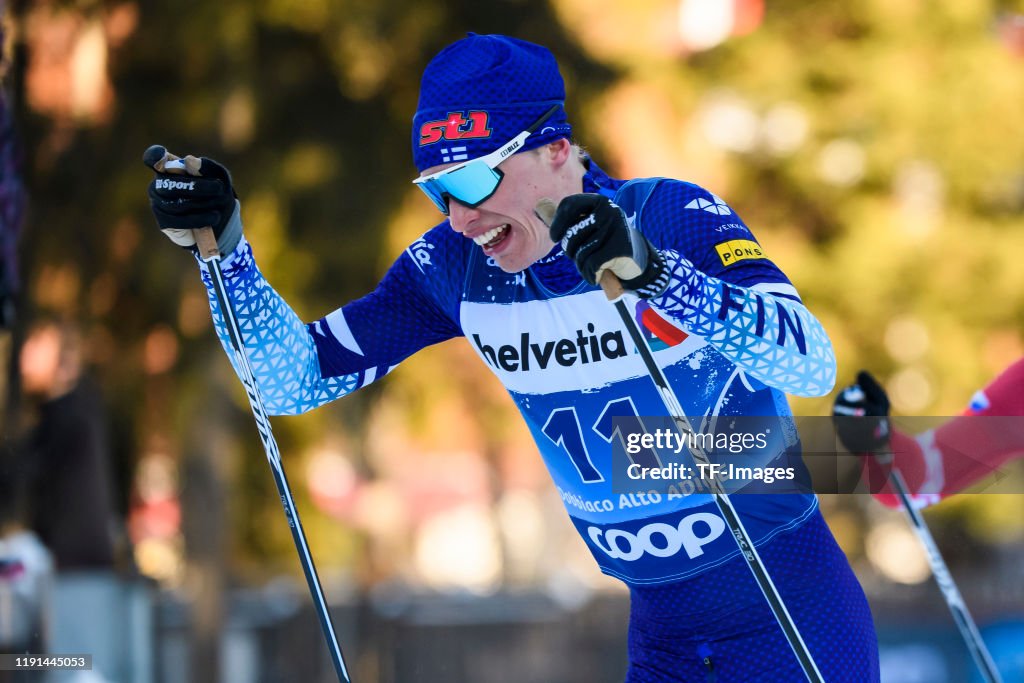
[{"x": 492, "y": 238}]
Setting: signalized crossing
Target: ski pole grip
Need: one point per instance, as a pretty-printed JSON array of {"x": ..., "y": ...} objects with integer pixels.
[
  {"x": 611, "y": 285},
  {"x": 609, "y": 282},
  {"x": 545, "y": 210},
  {"x": 206, "y": 243},
  {"x": 163, "y": 161}
]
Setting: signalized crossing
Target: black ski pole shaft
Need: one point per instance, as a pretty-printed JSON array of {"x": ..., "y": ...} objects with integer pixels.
[
  {"x": 208, "y": 251},
  {"x": 614, "y": 291},
  {"x": 961, "y": 615}
]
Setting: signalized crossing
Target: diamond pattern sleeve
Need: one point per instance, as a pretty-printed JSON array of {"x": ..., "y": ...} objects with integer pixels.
[
  {"x": 301, "y": 366},
  {"x": 773, "y": 338},
  {"x": 281, "y": 352}
]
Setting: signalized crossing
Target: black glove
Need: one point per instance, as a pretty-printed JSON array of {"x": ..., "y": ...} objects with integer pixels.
[
  {"x": 861, "y": 415},
  {"x": 182, "y": 203},
  {"x": 593, "y": 232}
]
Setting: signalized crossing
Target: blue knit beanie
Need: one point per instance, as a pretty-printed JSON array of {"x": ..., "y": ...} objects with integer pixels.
[{"x": 482, "y": 91}]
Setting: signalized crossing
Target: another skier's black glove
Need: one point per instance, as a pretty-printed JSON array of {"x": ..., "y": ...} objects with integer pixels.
[
  {"x": 861, "y": 415},
  {"x": 182, "y": 203},
  {"x": 594, "y": 233}
]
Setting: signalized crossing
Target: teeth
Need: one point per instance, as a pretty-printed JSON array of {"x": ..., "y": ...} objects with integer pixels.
[{"x": 489, "y": 235}]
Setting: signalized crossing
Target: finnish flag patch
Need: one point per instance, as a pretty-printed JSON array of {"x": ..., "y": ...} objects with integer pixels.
[{"x": 454, "y": 154}]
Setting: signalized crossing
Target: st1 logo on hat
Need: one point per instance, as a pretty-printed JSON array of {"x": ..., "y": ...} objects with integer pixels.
[{"x": 456, "y": 127}]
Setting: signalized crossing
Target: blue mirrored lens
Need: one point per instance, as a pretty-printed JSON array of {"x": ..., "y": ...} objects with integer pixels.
[
  {"x": 432, "y": 190},
  {"x": 471, "y": 185}
]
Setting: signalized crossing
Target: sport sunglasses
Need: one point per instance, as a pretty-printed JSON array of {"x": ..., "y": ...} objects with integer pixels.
[{"x": 473, "y": 182}]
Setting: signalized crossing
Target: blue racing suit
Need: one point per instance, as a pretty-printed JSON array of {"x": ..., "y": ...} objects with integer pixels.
[{"x": 731, "y": 335}]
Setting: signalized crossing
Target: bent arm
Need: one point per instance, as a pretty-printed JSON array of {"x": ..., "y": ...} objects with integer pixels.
[
  {"x": 770, "y": 336},
  {"x": 725, "y": 289}
]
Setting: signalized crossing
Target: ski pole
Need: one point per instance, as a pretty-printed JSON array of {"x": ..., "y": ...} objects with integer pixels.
[
  {"x": 964, "y": 621},
  {"x": 157, "y": 158},
  {"x": 614, "y": 291}
]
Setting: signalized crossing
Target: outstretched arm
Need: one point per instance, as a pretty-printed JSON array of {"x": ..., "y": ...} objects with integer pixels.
[
  {"x": 939, "y": 462},
  {"x": 298, "y": 366},
  {"x": 280, "y": 350}
]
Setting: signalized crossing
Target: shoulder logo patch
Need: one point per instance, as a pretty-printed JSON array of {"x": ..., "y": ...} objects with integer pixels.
[
  {"x": 735, "y": 251},
  {"x": 717, "y": 207}
]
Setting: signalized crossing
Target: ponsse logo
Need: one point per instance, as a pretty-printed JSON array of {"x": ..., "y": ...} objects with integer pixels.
[
  {"x": 735, "y": 251},
  {"x": 587, "y": 347}
]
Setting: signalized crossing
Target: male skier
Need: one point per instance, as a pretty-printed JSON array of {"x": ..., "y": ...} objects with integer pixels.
[{"x": 490, "y": 139}]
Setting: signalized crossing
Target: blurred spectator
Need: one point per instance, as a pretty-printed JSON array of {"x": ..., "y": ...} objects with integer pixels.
[
  {"x": 71, "y": 497},
  {"x": 70, "y": 486}
]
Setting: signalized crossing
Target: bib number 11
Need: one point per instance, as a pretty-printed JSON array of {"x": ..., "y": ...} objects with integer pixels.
[{"x": 563, "y": 428}]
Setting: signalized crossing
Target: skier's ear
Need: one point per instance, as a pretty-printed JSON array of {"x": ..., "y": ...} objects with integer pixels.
[{"x": 558, "y": 153}]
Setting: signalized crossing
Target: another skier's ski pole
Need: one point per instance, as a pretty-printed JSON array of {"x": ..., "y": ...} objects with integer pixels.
[{"x": 962, "y": 617}]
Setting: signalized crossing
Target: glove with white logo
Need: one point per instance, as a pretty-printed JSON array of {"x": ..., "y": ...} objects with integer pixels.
[
  {"x": 861, "y": 415},
  {"x": 182, "y": 203},
  {"x": 593, "y": 232}
]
